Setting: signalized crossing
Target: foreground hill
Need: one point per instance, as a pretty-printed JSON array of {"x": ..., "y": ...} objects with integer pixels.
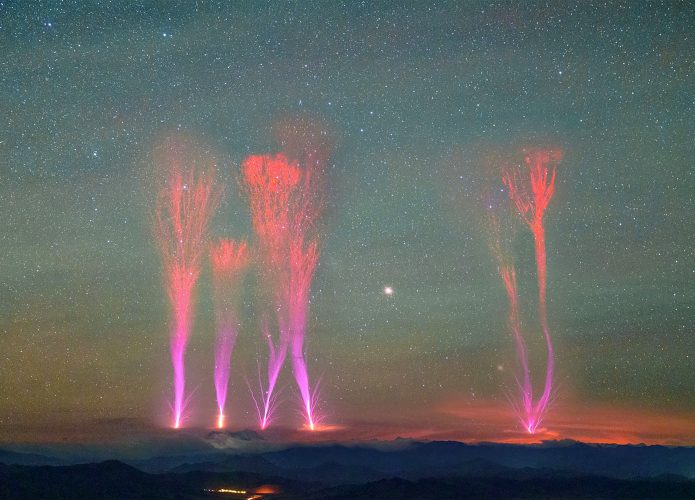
[
  {"x": 340, "y": 464},
  {"x": 401, "y": 469},
  {"x": 539, "y": 487},
  {"x": 116, "y": 480}
]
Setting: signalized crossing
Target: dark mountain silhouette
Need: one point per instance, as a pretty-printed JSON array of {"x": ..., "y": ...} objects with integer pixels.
[
  {"x": 606, "y": 460},
  {"x": 462, "y": 488},
  {"x": 378, "y": 470},
  {"x": 109, "y": 479},
  {"x": 113, "y": 479},
  {"x": 232, "y": 463},
  {"x": 116, "y": 480},
  {"x": 13, "y": 457},
  {"x": 327, "y": 472}
]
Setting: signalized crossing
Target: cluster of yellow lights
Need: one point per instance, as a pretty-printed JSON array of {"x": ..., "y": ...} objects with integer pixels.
[{"x": 228, "y": 490}]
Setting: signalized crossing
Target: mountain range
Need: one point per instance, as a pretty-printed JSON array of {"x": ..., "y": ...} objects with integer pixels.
[{"x": 401, "y": 469}]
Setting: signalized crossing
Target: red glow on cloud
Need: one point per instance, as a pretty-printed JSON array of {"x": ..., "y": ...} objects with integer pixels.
[{"x": 489, "y": 421}]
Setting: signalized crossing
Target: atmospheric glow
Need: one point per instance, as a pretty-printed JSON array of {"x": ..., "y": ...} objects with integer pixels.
[
  {"x": 267, "y": 400},
  {"x": 284, "y": 208},
  {"x": 526, "y": 412},
  {"x": 303, "y": 260},
  {"x": 229, "y": 261},
  {"x": 530, "y": 191},
  {"x": 183, "y": 211},
  {"x": 411, "y": 118},
  {"x": 270, "y": 182}
]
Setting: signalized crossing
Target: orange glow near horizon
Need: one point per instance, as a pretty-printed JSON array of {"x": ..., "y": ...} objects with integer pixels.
[
  {"x": 488, "y": 421},
  {"x": 571, "y": 420},
  {"x": 317, "y": 427},
  {"x": 454, "y": 419}
]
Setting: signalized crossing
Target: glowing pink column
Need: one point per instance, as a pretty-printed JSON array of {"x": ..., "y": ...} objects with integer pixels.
[
  {"x": 271, "y": 181},
  {"x": 183, "y": 211},
  {"x": 508, "y": 274},
  {"x": 501, "y": 232},
  {"x": 229, "y": 262},
  {"x": 277, "y": 351},
  {"x": 285, "y": 205},
  {"x": 182, "y": 283},
  {"x": 303, "y": 260},
  {"x": 531, "y": 196}
]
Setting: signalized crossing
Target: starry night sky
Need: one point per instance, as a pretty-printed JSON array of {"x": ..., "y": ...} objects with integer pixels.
[{"x": 416, "y": 99}]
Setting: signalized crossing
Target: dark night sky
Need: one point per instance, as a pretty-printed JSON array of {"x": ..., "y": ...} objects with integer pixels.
[{"x": 416, "y": 97}]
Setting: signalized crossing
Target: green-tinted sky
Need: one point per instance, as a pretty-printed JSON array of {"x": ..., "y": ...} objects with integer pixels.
[{"x": 418, "y": 99}]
